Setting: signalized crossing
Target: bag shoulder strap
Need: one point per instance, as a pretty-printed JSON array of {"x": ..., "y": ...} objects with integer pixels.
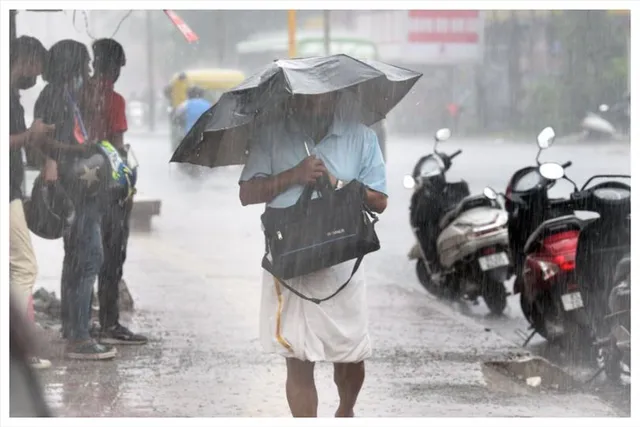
[
  {"x": 356, "y": 266},
  {"x": 77, "y": 114}
]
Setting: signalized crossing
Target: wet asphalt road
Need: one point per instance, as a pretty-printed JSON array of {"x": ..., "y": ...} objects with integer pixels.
[{"x": 195, "y": 281}]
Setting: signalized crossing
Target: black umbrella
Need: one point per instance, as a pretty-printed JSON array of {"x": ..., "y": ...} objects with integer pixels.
[{"x": 221, "y": 136}]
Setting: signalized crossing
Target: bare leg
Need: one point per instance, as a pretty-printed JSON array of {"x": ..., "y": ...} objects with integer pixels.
[
  {"x": 301, "y": 388},
  {"x": 349, "y": 378}
]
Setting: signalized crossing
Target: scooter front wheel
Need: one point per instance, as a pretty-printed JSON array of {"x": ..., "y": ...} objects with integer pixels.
[{"x": 425, "y": 279}]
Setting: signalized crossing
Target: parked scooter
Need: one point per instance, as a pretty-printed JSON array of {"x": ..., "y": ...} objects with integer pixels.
[
  {"x": 462, "y": 240},
  {"x": 543, "y": 236},
  {"x": 614, "y": 348},
  {"x": 603, "y": 245},
  {"x": 528, "y": 205},
  {"x": 609, "y": 121}
]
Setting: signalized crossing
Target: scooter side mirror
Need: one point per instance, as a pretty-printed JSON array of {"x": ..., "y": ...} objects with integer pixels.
[
  {"x": 551, "y": 171},
  {"x": 490, "y": 193},
  {"x": 546, "y": 138},
  {"x": 408, "y": 182},
  {"x": 443, "y": 134}
]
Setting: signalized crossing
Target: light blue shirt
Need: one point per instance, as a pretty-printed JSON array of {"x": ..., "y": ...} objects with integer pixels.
[
  {"x": 192, "y": 109},
  {"x": 350, "y": 151}
]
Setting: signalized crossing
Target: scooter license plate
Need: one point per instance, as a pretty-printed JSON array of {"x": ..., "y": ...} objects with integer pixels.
[
  {"x": 489, "y": 262},
  {"x": 572, "y": 301}
]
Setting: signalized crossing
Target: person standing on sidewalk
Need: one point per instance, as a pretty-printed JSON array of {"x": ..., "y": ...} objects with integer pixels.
[
  {"x": 106, "y": 120},
  {"x": 276, "y": 172},
  {"x": 66, "y": 72},
  {"x": 26, "y": 60}
]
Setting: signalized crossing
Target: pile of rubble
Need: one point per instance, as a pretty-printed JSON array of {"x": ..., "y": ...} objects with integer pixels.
[{"x": 47, "y": 307}]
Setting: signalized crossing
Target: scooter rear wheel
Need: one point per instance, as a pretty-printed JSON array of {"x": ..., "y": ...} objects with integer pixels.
[
  {"x": 425, "y": 279},
  {"x": 495, "y": 296}
]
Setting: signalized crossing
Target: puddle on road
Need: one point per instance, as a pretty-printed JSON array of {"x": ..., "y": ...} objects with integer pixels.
[{"x": 528, "y": 376}]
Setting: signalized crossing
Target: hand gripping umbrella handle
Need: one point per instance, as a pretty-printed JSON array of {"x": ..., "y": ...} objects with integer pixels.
[{"x": 322, "y": 186}]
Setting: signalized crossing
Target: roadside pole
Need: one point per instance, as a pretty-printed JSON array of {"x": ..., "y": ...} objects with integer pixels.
[
  {"x": 292, "y": 33},
  {"x": 627, "y": 35},
  {"x": 327, "y": 32},
  {"x": 12, "y": 25},
  {"x": 151, "y": 71}
]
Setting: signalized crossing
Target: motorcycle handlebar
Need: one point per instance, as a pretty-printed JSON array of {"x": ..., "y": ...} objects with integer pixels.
[
  {"x": 455, "y": 154},
  {"x": 561, "y": 203}
]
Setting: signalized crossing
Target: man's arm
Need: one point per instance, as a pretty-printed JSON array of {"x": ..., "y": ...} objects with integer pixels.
[
  {"x": 37, "y": 133},
  {"x": 117, "y": 140},
  {"x": 373, "y": 173},
  {"x": 376, "y": 201},
  {"x": 20, "y": 140},
  {"x": 265, "y": 189},
  {"x": 47, "y": 110},
  {"x": 118, "y": 121}
]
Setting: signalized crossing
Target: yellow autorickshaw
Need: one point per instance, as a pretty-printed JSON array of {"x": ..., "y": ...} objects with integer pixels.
[{"x": 214, "y": 81}]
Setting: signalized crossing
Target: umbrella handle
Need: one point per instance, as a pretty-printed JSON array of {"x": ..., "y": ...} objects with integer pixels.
[{"x": 323, "y": 186}]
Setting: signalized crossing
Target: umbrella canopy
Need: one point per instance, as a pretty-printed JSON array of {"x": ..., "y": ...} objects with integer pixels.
[{"x": 221, "y": 137}]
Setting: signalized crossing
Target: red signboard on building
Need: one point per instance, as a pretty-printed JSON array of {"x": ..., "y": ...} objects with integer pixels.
[
  {"x": 443, "y": 26},
  {"x": 425, "y": 36}
]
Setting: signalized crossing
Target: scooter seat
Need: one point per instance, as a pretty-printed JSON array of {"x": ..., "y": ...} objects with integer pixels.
[
  {"x": 562, "y": 223},
  {"x": 465, "y": 204},
  {"x": 448, "y": 218}
]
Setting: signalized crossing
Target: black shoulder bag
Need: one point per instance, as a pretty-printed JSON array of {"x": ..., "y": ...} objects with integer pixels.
[{"x": 319, "y": 233}]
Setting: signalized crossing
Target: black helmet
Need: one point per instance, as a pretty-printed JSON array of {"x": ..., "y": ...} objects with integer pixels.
[
  {"x": 50, "y": 211},
  {"x": 100, "y": 172},
  {"x": 87, "y": 175}
]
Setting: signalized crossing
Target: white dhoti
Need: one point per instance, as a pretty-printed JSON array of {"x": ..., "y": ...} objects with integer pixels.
[{"x": 332, "y": 331}]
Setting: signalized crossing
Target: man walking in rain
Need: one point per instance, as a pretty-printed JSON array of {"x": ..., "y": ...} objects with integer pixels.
[
  {"x": 27, "y": 58},
  {"x": 275, "y": 173},
  {"x": 106, "y": 120}
]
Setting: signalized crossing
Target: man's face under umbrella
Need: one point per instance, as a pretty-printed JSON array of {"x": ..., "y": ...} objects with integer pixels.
[{"x": 314, "y": 110}]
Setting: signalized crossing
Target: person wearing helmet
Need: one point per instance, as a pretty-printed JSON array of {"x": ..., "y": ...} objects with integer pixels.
[
  {"x": 27, "y": 58},
  {"x": 74, "y": 164},
  {"x": 188, "y": 113},
  {"x": 107, "y": 121}
]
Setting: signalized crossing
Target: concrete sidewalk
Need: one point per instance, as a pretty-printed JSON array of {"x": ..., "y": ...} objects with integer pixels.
[
  {"x": 204, "y": 358},
  {"x": 196, "y": 284}
]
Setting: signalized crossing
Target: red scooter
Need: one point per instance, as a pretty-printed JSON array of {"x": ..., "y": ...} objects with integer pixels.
[
  {"x": 550, "y": 299},
  {"x": 543, "y": 235}
]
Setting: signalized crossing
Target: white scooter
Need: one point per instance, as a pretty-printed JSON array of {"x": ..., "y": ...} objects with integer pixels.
[
  {"x": 462, "y": 248},
  {"x": 608, "y": 123}
]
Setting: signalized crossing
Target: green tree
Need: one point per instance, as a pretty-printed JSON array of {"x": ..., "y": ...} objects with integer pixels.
[{"x": 594, "y": 67}]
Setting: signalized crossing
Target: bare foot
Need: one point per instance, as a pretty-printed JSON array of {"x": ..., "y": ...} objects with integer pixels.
[{"x": 344, "y": 414}]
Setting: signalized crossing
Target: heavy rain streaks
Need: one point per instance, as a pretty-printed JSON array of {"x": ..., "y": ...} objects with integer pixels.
[{"x": 181, "y": 257}]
